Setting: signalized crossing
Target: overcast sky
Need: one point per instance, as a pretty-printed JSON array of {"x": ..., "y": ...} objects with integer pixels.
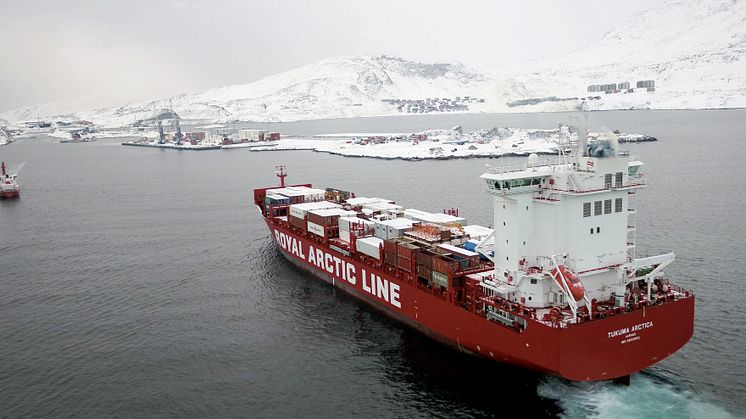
[{"x": 141, "y": 49}]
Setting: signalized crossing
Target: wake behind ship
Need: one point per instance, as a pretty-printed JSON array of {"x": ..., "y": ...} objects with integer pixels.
[{"x": 556, "y": 286}]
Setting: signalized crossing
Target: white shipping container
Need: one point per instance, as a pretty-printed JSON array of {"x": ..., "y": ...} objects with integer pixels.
[
  {"x": 360, "y": 201},
  {"x": 384, "y": 207},
  {"x": 248, "y": 134},
  {"x": 330, "y": 212},
  {"x": 300, "y": 210},
  {"x": 344, "y": 223},
  {"x": 477, "y": 232},
  {"x": 311, "y": 194},
  {"x": 315, "y": 229},
  {"x": 369, "y": 246},
  {"x": 344, "y": 235},
  {"x": 391, "y": 229},
  {"x": 434, "y": 218}
]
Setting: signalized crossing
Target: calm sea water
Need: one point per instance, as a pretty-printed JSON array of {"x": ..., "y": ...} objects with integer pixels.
[{"x": 140, "y": 282}]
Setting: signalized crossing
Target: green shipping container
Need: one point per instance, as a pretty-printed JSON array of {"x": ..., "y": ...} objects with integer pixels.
[{"x": 440, "y": 279}]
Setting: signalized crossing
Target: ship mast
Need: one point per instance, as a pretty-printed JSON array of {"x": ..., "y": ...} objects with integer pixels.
[{"x": 281, "y": 174}]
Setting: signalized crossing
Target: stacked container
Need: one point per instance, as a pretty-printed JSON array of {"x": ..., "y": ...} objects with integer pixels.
[
  {"x": 325, "y": 222},
  {"x": 386, "y": 208},
  {"x": 466, "y": 258},
  {"x": 298, "y": 212},
  {"x": 391, "y": 229},
  {"x": 369, "y": 246},
  {"x": 433, "y": 233},
  {"x": 349, "y": 226},
  {"x": 433, "y": 218},
  {"x": 275, "y": 200},
  {"x": 337, "y": 195}
]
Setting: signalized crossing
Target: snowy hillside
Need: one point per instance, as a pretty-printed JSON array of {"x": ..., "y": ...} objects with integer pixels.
[
  {"x": 347, "y": 86},
  {"x": 695, "y": 51}
]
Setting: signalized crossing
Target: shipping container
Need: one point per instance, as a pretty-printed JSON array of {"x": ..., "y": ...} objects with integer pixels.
[
  {"x": 407, "y": 250},
  {"x": 336, "y": 195},
  {"x": 298, "y": 222},
  {"x": 445, "y": 264},
  {"x": 386, "y": 208},
  {"x": 300, "y": 210},
  {"x": 425, "y": 258},
  {"x": 477, "y": 232},
  {"x": 249, "y": 135},
  {"x": 473, "y": 257},
  {"x": 424, "y": 272},
  {"x": 440, "y": 279},
  {"x": 391, "y": 229},
  {"x": 344, "y": 235},
  {"x": 316, "y": 229},
  {"x": 369, "y": 246},
  {"x": 391, "y": 259},
  {"x": 309, "y": 194},
  {"x": 433, "y": 218},
  {"x": 405, "y": 264},
  {"x": 389, "y": 246},
  {"x": 328, "y": 216},
  {"x": 355, "y": 226}
]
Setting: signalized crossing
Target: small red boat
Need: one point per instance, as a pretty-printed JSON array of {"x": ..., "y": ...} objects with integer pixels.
[{"x": 9, "y": 188}]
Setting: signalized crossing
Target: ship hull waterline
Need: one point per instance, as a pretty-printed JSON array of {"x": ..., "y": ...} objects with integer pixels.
[{"x": 594, "y": 351}]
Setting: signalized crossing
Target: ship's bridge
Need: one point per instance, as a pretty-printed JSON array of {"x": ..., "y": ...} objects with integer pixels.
[{"x": 520, "y": 180}]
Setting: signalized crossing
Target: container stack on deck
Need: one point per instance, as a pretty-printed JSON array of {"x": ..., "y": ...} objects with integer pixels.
[{"x": 424, "y": 246}]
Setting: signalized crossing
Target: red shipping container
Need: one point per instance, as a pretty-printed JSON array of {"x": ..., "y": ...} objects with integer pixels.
[
  {"x": 389, "y": 246},
  {"x": 407, "y": 250},
  {"x": 391, "y": 259},
  {"x": 442, "y": 264},
  {"x": 405, "y": 264},
  {"x": 298, "y": 222},
  {"x": 424, "y": 271},
  {"x": 425, "y": 258}
]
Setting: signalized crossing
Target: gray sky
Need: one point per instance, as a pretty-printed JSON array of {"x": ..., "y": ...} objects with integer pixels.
[{"x": 140, "y": 49}]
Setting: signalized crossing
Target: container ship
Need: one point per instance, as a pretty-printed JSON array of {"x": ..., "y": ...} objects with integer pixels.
[
  {"x": 9, "y": 188},
  {"x": 554, "y": 285}
]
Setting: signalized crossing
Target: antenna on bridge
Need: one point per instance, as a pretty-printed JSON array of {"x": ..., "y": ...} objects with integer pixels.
[{"x": 281, "y": 174}]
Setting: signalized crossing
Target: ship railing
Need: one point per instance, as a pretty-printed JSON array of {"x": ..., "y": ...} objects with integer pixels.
[
  {"x": 629, "y": 185},
  {"x": 513, "y": 169}
]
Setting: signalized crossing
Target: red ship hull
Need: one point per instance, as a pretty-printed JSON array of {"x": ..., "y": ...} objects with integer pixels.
[
  {"x": 601, "y": 349},
  {"x": 10, "y": 194}
]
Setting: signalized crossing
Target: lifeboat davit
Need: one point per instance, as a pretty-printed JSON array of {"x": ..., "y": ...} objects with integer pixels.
[{"x": 573, "y": 282}]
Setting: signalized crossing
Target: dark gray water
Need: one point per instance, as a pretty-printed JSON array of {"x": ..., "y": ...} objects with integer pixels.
[{"x": 140, "y": 282}]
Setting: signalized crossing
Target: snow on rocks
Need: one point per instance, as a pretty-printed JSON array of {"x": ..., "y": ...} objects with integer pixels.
[{"x": 432, "y": 144}]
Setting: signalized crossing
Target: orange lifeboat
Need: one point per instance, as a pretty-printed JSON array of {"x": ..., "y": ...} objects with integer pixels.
[{"x": 573, "y": 282}]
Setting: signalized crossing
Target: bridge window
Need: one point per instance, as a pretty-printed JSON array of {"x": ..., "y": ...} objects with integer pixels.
[
  {"x": 597, "y": 208},
  {"x": 619, "y": 179},
  {"x": 607, "y": 180},
  {"x": 586, "y": 209},
  {"x": 618, "y": 205},
  {"x": 607, "y": 206}
]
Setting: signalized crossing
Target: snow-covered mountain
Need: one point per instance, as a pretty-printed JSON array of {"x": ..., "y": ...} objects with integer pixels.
[
  {"x": 694, "y": 50},
  {"x": 341, "y": 87}
]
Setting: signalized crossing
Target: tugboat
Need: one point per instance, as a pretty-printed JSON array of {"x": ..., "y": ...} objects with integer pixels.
[{"x": 9, "y": 188}]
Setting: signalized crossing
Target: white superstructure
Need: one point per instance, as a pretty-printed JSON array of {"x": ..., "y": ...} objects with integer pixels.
[{"x": 576, "y": 214}]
